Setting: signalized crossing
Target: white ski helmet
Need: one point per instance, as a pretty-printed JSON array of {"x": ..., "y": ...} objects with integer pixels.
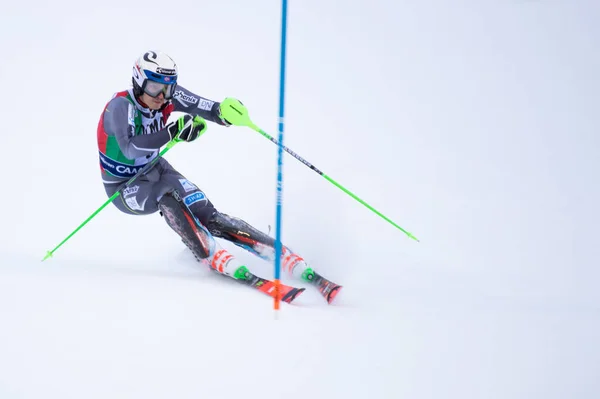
[{"x": 154, "y": 72}]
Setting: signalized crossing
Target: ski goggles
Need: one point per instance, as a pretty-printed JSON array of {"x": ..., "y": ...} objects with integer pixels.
[{"x": 153, "y": 89}]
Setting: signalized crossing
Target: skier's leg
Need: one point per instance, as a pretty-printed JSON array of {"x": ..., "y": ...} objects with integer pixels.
[
  {"x": 244, "y": 235},
  {"x": 209, "y": 252},
  {"x": 187, "y": 209},
  {"x": 197, "y": 238},
  {"x": 214, "y": 223},
  {"x": 248, "y": 237}
]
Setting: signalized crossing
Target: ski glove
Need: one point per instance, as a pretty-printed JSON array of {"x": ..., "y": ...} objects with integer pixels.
[{"x": 186, "y": 128}]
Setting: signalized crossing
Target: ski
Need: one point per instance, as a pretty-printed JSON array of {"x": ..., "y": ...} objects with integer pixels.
[
  {"x": 326, "y": 287},
  {"x": 288, "y": 293}
]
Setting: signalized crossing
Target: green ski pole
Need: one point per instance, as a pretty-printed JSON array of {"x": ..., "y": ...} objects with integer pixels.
[
  {"x": 169, "y": 145},
  {"x": 237, "y": 114}
]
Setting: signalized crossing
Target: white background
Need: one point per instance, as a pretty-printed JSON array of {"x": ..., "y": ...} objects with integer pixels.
[{"x": 471, "y": 124}]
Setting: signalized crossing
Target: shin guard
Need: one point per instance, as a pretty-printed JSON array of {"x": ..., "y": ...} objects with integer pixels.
[{"x": 183, "y": 222}]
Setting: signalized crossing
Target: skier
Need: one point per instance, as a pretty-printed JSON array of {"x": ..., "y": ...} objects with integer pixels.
[{"x": 132, "y": 129}]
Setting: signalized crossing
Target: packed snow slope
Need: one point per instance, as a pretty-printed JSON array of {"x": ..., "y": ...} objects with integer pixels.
[{"x": 471, "y": 124}]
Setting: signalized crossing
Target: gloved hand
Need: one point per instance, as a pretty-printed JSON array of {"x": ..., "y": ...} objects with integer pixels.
[{"x": 186, "y": 128}]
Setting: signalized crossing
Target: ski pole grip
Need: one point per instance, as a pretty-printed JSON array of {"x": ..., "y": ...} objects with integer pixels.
[{"x": 234, "y": 112}]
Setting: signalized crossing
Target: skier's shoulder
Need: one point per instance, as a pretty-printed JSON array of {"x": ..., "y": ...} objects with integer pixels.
[
  {"x": 119, "y": 99},
  {"x": 120, "y": 103},
  {"x": 117, "y": 110}
]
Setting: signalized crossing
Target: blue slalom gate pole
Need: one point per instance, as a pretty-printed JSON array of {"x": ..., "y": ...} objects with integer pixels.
[{"x": 279, "y": 203}]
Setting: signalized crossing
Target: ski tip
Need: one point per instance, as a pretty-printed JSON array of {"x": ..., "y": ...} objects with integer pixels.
[
  {"x": 333, "y": 293},
  {"x": 292, "y": 294}
]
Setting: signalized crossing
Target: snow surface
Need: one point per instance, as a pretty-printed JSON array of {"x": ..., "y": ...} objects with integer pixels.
[{"x": 472, "y": 124}]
